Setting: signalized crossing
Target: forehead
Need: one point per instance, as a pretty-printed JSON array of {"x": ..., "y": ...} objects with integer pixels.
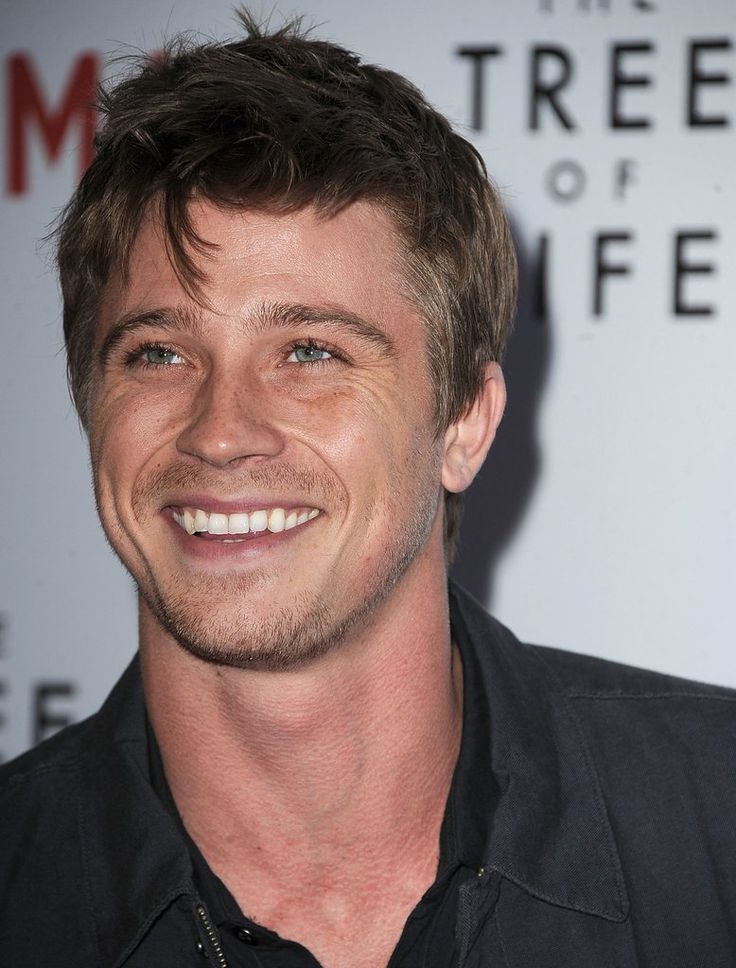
[{"x": 352, "y": 261}]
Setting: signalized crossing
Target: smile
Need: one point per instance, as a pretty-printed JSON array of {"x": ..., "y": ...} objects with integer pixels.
[{"x": 195, "y": 520}]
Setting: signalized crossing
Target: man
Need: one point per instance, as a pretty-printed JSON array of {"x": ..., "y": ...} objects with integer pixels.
[{"x": 287, "y": 286}]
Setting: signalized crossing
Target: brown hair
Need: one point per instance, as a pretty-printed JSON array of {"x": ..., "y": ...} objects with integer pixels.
[{"x": 280, "y": 120}]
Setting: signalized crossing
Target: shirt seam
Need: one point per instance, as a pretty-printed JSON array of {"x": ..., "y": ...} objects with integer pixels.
[
  {"x": 599, "y": 803},
  {"x": 650, "y": 695},
  {"x": 501, "y": 944},
  {"x": 88, "y": 893},
  {"x": 44, "y": 769}
]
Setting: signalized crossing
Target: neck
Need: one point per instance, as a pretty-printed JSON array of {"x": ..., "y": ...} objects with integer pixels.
[{"x": 350, "y": 755}]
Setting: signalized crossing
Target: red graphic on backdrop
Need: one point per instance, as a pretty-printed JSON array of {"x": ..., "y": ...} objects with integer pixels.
[{"x": 28, "y": 108}]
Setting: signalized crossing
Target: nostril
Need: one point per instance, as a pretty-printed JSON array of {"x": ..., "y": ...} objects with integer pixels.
[{"x": 221, "y": 442}]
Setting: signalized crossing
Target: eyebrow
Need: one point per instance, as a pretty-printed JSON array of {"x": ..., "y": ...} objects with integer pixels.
[
  {"x": 267, "y": 316},
  {"x": 176, "y": 319},
  {"x": 292, "y": 315}
]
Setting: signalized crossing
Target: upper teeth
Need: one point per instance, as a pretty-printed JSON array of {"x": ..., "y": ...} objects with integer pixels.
[{"x": 272, "y": 519}]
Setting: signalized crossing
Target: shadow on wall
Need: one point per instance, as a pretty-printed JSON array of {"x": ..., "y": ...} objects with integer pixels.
[{"x": 496, "y": 503}]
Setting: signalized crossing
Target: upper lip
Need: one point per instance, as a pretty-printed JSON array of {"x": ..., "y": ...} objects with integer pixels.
[{"x": 219, "y": 505}]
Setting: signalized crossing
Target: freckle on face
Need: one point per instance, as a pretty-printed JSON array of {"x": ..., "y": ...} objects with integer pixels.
[{"x": 360, "y": 444}]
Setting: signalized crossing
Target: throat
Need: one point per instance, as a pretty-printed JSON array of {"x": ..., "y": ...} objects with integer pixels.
[
  {"x": 316, "y": 795},
  {"x": 334, "y": 899},
  {"x": 309, "y": 817}
]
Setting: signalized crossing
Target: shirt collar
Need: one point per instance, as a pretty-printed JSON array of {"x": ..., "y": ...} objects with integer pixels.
[
  {"x": 525, "y": 800},
  {"x": 134, "y": 858},
  {"x": 474, "y": 792},
  {"x": 547, "y": 825}
]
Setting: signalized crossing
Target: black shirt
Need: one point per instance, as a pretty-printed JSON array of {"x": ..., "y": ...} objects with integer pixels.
[
  {"x": 604, "y": 798},
  {"x": 429, "y": 932}
]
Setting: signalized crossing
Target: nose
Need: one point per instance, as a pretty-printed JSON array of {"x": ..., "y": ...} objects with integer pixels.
[{"x": 230, "y": 420}]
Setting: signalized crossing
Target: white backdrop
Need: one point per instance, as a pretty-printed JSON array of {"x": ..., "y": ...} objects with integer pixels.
[{"x": 604, "y": 521}]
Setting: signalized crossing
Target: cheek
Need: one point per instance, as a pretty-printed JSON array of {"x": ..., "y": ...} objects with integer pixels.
[
  {"x": 127, "y": 430},
  {"x": 377, "y": 401},
  {"x": 346, "y": 425},
  {"x": 382, "y": 448}
]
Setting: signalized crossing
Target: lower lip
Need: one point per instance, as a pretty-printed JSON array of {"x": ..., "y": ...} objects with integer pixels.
[{"x": 231, "y": 547}]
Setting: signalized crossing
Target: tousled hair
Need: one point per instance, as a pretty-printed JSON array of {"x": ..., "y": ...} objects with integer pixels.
[{"x": 278, "y": 120}]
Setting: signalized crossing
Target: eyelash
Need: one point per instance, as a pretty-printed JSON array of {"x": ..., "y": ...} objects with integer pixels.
[
  {"x": 313, "y": 344},
  {"x": 135, "y": 357}
]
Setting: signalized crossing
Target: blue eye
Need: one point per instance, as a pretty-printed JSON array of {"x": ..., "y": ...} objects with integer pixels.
[
  {"x": 308, "y": 354},
  {"x": 161, "y": 356}
]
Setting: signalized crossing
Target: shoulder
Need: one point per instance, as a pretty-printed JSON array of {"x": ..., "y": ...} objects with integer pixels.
[
  {"x": 660, "y": 749},
  {"x": 39, "y": 793},
  {"x": 53, "y": 761},
  {"x": 43, "y": 865},
  {"x": 653, "y": 738},
  {"x": 654, "y": 751},
  {"x": 54, "y": 801},
  {"x": 632, "y": 718},
  {"x": 634, "y": 722},
  {"x": 631, "y": 710},
  {"x": 580, "y": 676},
  {"x": 587, "y": 677},
  {"x": 40, "y": 790}
]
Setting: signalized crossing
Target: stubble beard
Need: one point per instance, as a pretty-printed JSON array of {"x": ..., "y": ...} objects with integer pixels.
[{"x": 312, "y": 625}]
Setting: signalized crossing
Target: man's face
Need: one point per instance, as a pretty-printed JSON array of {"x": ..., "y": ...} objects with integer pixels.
[{"x": 264, "y": 457}]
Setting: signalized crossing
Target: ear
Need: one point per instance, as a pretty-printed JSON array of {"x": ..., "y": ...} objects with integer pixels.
[{"x": 468, "y": 439}]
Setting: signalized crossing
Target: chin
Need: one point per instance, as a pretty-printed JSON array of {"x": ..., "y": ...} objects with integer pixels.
[
  {"x": 285, "y": 635},
  {"x": 288, "y": 637},
  {"x": 283, "y": 638}
]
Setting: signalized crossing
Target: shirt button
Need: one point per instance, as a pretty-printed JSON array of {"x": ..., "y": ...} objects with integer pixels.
[{"x": 246, "y": 936}]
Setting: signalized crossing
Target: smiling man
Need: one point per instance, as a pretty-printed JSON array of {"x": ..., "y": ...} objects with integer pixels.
[
  {"x": 287, "y": 288},
  {"x": 265, "y": 452}
]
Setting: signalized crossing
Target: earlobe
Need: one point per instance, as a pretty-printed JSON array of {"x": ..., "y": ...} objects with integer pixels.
[{"x": 468, "y": 439}]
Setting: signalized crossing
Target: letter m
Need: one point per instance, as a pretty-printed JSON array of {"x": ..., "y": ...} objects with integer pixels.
[{"x": 27, "y": 107}]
